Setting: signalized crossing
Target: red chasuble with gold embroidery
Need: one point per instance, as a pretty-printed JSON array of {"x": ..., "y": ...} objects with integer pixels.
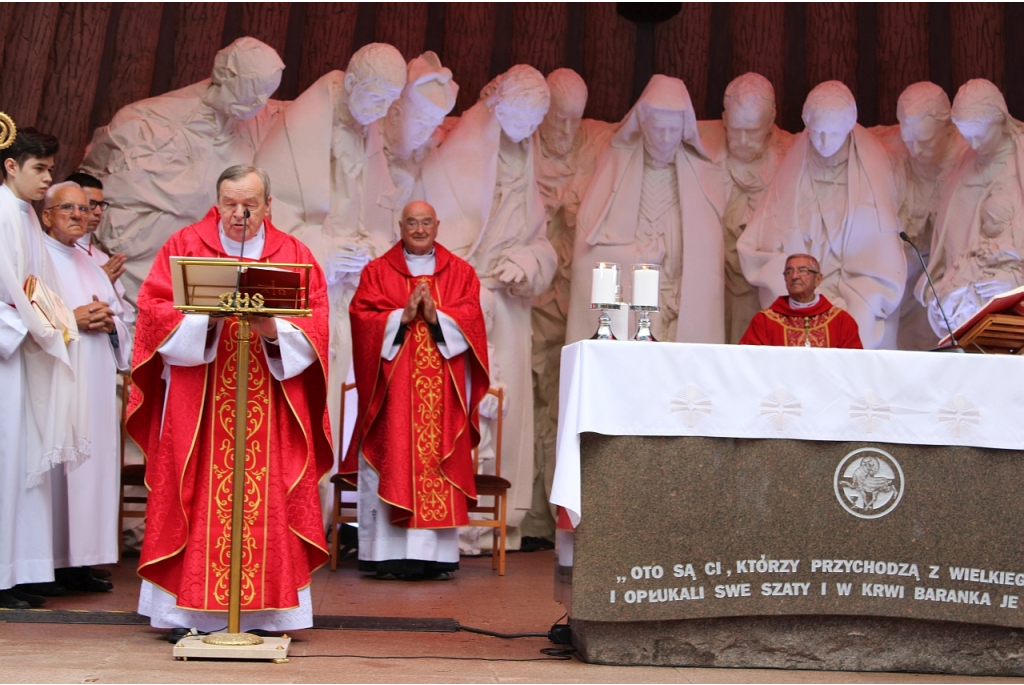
[
  {"x": 823, "y": 325},
  {"x": 417, "y": 426},
  {"x": 186, "y": 551}
]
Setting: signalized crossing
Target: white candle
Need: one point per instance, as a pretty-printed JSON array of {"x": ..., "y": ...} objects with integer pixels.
[
  {"x": 604, "y": 289},
  {"x": 645, "y": 285}
]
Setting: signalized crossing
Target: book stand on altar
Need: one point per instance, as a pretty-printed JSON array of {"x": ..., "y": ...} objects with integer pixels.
[
  {"x": 997, "y": 328},
  {"x": 232, "y": 288}
]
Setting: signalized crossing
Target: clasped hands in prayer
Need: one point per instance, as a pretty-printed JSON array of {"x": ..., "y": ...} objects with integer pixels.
[
  {"x": 420, "y": 298},
  {"x": 95, "y": 317}
]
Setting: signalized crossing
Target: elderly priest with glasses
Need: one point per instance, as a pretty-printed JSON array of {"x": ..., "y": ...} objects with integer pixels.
[{"x": 804, "y": 318}]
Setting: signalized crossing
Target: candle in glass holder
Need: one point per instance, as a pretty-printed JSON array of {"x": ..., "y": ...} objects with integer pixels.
[
  {"x": 646, "y": 285},
  {"x": 605, "y": 287}
]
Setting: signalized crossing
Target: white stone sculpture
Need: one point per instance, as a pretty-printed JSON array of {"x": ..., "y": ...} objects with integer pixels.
[
  {"x": 331, "y": 185},
  {"x": 834, "y": 197},
  {"x": 979, "y": 236},
  {"x": 925, "y": 149},
  {"x": 159, "y": 158},
  {"x": 411, "y": 127},
  {"x": 566, "y": 147},
  {"x": 481, "y": 182},
  {"x": 750, "y": 147},
  {"x": 656, "y": 198}
]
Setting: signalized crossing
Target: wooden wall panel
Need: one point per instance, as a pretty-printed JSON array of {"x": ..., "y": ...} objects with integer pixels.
[
  {"x": 902, "y": 53},
  {"x": 26, "y": 60},
  {"x": 468, "y": 43},
  {"x": 200, "y": 31},
  {"x": 268, "y": 22},
  {"x": 978, "y": 48},
  {"x": 327, "y": 45},
  {"x": 71, "y": 84},
  {"x": 539, "y": 32},
  {"x": 6, "y": 22},
  {"x": 759, "y": 42},
  {"x": 831, "y": 40},
  {"x": 138, "y": 30},
  {"x": 609, "y": 46},
  {"x": 682, "y": 48},
  {"x": 404, "y": 25}
]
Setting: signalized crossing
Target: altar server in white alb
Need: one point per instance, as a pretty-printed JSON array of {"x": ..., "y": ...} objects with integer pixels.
[
  {"x": 41, "y": 419},
  {"x": 85, "y": 500}
]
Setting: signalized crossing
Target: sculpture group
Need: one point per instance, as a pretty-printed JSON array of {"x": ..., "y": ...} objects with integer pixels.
[{"x": 531, "y": 194}]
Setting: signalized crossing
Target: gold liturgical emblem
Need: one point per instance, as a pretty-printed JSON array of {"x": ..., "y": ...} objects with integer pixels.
[
  {"x": 242, "y": 302},
  {"x": 8, "y": 131}
]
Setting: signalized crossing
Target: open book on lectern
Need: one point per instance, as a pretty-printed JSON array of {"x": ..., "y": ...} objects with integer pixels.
[
  {"x": 203, "y": 282},
  {"x": 1010, "y": 302}
]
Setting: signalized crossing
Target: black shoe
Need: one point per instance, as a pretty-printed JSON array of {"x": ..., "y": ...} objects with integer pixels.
[
  {"x": 90, "y": 584},
  {"x": 34, "y": 601},
  {"x": 532, "y": 544},
  {"x": 9, "y": 601},
  {"x": 100, "y": 573},
  {"x": 177, "y": 634},
  {"x": 51, "y": 589}
]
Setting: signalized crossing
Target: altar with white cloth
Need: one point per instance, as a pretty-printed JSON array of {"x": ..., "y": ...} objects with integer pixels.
[{"x": 859, "y": 506}]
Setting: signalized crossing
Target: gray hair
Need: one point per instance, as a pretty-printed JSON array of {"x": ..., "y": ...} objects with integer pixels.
[
  {"x": 52, "y": 191},
  {"x": 801, "y": 255},
  {"x": 233, "y": 173}
]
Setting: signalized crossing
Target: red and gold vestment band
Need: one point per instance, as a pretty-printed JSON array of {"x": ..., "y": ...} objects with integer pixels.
[
  {"x": 821, "y": 325},
  {"x": 186, "y": 550},
  {"x": 416, "y": 425}
]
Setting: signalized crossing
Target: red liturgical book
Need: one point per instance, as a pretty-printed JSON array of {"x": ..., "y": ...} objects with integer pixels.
[{"x": 280, "y": 289}]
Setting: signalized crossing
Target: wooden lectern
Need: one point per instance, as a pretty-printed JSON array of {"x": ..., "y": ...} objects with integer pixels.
[
  {"x": 997, "y": 328},
  {"x": 233, "y": 288}
]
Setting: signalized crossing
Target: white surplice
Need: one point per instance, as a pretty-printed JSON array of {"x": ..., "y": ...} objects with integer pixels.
[
  {"x": 187, "y": 346},
  {"x": 379, "y": 539},
  {"x": 101, "y": 258},
  {"x": 38, "y": 425},
  {"x": 86, "y": 499}
]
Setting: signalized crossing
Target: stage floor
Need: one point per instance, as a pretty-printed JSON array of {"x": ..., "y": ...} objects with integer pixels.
[{"x": 521, "y": 601}]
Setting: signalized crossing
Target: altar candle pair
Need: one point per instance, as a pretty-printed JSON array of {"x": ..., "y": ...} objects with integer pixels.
[{"x": 604, "y": 288}]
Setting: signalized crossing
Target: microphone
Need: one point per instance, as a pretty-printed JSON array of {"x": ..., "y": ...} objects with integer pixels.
[
  {"x": 241, "y": 252},
  {"x": 938, "y": 303}
]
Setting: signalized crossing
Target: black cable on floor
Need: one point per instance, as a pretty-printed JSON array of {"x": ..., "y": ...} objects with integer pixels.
[
  {"x": 561, "y": 655},
  {"x": 504, "y": 636}
]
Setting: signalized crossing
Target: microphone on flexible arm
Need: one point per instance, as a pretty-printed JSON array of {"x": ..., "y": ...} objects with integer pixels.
[
  {"x": 241, "y": 252},
  {"x": 956, "y": 346}
]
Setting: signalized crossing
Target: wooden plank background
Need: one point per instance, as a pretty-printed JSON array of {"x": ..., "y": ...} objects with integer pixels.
[{"x": 68, "y": 67}]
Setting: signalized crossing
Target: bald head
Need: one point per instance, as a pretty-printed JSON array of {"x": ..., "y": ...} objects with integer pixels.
[{"x": 418, "y": 227}]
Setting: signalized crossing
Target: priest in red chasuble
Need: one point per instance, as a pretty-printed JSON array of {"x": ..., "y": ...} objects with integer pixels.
[
  {"x": 804, "y": 318},
  {"x": 420, "y": 360},
  {"x": 182, "y": 414}
]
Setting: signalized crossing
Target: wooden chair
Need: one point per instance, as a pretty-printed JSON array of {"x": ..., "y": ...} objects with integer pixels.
[
  {"x": 131, "y": 474},
  {"x": 493, "y": 486},
  {"x": 340, "y": 517}
]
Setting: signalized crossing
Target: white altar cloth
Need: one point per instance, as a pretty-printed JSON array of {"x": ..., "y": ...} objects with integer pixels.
[{"x": 796, "y": 393}]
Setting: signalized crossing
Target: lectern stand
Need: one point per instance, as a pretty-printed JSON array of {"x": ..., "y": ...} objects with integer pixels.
[
  {"x": 997, "y": 328},
  {"x": 218, "y": 287}
]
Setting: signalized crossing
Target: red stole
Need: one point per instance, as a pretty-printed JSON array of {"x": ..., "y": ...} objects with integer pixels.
[
  {"x": 823, "y": 325},
  {"x": 185, "y": 551},
  {"x": 416, "y": 426}
]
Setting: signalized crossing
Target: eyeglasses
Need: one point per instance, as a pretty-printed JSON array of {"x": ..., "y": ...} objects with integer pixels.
[
  {"x": 68, "y": 208},
  {"x": 425, "y": 223},
  {"x": 102, "y": 204},
  {"x": 802, "y": 270}
]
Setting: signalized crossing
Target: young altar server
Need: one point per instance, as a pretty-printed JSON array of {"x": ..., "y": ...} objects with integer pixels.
[
  {"x": 182, "y": 413},
  {"x": 804, "y": 318},
  {"x": 42, "y": 421},
  {"x": 420, "y": 354}
]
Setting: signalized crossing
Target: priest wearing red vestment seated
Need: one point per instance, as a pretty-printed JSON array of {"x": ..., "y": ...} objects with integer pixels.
[
  {"x": 804, "y": 318},
  {"x": 182, "y": 414},
  {"x": 420, "y": 360}
]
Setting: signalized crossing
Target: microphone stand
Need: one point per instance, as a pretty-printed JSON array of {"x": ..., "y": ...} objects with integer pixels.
[{"x": 955, "y": 346}]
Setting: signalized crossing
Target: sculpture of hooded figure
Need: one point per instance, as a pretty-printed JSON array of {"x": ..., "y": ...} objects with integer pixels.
[
  {"x": 159, "y": 158},
  {"x": 656, "y": 198},
  {"x": 834, "y": 197},
  {"x": 481, "y": 182}
]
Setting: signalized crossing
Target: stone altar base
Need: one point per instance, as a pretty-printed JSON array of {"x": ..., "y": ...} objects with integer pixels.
[{"x": 820, "y": 643}]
